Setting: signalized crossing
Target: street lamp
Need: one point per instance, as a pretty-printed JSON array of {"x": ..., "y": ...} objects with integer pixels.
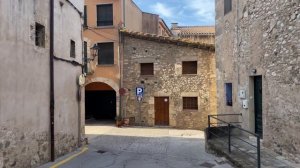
[{"x": 94, "y": 52}]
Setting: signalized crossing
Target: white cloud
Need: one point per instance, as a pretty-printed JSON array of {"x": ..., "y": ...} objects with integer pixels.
[
  {"x": 162, "y": 10},
  {"x": 204, "y": 9}
]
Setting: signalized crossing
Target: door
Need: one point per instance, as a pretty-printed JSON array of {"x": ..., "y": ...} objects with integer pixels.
[
  {"x": 161, "y": 111},
  {"x": 258, "y": 105}
]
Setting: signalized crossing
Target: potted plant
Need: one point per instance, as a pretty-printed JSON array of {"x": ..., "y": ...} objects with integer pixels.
[{"x": 119, "y": 121}]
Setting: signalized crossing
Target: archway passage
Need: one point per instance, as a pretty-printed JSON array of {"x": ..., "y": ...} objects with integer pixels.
[{"x": 100, "y": 102}]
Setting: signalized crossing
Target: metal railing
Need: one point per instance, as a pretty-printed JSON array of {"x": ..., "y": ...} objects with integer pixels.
[{"x": 226, "y": 128}]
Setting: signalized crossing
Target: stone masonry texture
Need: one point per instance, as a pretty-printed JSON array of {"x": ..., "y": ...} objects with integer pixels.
[
  {"x": 262, "y": 36},
  {"x": 168, "y": 81}
]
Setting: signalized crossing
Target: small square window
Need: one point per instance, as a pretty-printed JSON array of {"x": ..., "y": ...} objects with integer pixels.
[
  {"x": 72, "y": 49},
  {"x": 189, "y": 67},
  {"x": 39, "y": 35},
  {"x": 147, "y": 69},
  {"x": 227, "y": 6},
  {"x": 228, "y": 89},
  {"x": 190, "y": 103}
]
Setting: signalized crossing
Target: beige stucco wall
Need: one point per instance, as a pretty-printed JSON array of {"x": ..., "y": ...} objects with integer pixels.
[
  {"x": 133, "y": 16},
  {"x": 24, "y": 84},
  {"x": 262, "y": 35}
]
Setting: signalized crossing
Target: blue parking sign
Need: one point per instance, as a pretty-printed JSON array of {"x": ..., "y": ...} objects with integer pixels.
[{"x": 139, "y": 91}]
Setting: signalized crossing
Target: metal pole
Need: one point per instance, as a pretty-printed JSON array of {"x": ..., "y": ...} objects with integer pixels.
[
  {"x": 229, "y": 140},
  {"x": 258, "y": 151}
]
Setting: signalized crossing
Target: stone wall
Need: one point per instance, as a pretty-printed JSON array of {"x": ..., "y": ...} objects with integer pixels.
[
  {"x": 262, "y": 36},
  {"x": 168, "y": 81}
]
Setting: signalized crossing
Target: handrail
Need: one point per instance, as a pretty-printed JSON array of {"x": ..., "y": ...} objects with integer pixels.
[{"x": 229, "y": 127}]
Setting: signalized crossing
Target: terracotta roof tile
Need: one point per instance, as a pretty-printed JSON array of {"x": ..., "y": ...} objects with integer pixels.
[
  {"x": 166, "y": 39},
  {"x": 194, "y": 30}
]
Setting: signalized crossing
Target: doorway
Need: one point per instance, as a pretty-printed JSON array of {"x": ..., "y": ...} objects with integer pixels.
[
  {"x": 161, "y": 111},
  {"x": 100, "y": 102},
  {"x": 258, "y": 105}
]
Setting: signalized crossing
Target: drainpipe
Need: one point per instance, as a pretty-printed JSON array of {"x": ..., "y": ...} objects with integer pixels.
[
  {"x": 52, "y": 102},
  {"x": 124, "y": 13}
]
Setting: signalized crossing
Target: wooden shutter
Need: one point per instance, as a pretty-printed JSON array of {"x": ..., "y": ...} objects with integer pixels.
[
  {"x": 190, "y": 103},
  {"x": 147, "y": 69},
  {"x": 189, "y": 67}
]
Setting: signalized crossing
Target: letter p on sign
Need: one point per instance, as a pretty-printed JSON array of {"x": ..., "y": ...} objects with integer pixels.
[{"x": 139, "y": 91}]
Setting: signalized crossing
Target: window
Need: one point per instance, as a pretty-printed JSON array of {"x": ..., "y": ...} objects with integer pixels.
[
  {"x": 106, "y": 54},
  {"x": 72, "y": 49},
  {"x": 190, "y": 103},
  {"x": 85, "y": 17},
  {"x": 189, "y": 67},
  {"x": 147, "y": 69},
  {"x": 39, "y": 35},
  {"x": 227, "y": 6},
  {"x": 105, "y": 15},
  {"x": 228, "y": 89},
  {"x": 85, "y": 68}
]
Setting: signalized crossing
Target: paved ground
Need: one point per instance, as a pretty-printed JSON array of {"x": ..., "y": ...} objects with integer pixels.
[{"x": 138, "y": 147}]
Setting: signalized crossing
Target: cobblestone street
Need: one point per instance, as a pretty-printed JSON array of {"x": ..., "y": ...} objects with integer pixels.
[{"x": 112, "y": 147}]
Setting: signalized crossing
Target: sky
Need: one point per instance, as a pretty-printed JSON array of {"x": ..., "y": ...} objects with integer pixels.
[{"x": 183, "y": 12}]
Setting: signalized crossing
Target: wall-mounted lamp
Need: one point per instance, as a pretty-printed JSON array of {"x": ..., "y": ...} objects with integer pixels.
[
  {"x": 94, "y": 52},
  {"x": 253, "y": 71}
]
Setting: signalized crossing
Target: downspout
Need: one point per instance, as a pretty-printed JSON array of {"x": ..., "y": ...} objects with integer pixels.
[
  {"x": 52, "y": 102},
  {"x": 124, "y": 13}
]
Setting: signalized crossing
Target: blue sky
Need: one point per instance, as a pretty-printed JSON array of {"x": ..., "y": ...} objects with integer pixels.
[{"x": 183, "y": 12}]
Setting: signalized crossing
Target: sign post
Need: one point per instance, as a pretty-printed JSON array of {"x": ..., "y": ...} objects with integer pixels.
[{"x": 139, "y": 91}]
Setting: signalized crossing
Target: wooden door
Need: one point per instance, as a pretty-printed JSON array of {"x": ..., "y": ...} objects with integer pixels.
[
  {"x": 161, "y": 111},
  {"x": 258, "y": 105}
]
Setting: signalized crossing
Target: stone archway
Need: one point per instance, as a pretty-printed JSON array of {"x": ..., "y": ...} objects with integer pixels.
[{"x": 110, "y": 83}]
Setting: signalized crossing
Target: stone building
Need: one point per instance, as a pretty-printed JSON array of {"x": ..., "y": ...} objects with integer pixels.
[
  {"x": 102, "y": 21},
  {"x": 258, "y": 69},
  {"x": 25, "y": 38},
  {"x": 178, "y": 78},
  {"x": 205, "y": 34}
]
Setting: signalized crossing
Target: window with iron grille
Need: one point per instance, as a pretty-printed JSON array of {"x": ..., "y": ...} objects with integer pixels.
[
  {"x": 85, "y": 57},
  {"x": 228, "y": 90},
  {"x": 85, "y": 17},
  {"x": 105, "y": 15},
  {"x": 39, "y": 35},
  {"x": 227, "y": 6},
  {"x": 189, "y": 67},
  {"x": 106, "y": 53},
  {"x": 72, "y": 49},
  {"x": 190, "y": 103},
  {"x": 147, "y": 69}
]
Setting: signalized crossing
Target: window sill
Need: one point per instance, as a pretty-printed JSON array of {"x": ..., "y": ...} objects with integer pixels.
[
  {"x": 105, "y": 27},
  {"x": 106, "y": 65},
  {"x": 189, "y": 74},
  {"x": 190, "y": 110},
  {"x": 143, "y": 76}
]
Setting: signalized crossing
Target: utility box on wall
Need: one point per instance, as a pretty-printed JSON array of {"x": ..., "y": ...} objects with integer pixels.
[
  {"x": 245, "y": 104},
  {"x": 242, "y": 94}
]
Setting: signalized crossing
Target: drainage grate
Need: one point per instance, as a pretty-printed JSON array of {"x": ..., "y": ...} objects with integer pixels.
[
  {"x": 101, "y": 151},
  {"x": 208, "y": 165}
]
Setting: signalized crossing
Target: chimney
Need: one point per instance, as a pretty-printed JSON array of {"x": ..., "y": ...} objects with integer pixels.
[{"x": 174, "y": 25}]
